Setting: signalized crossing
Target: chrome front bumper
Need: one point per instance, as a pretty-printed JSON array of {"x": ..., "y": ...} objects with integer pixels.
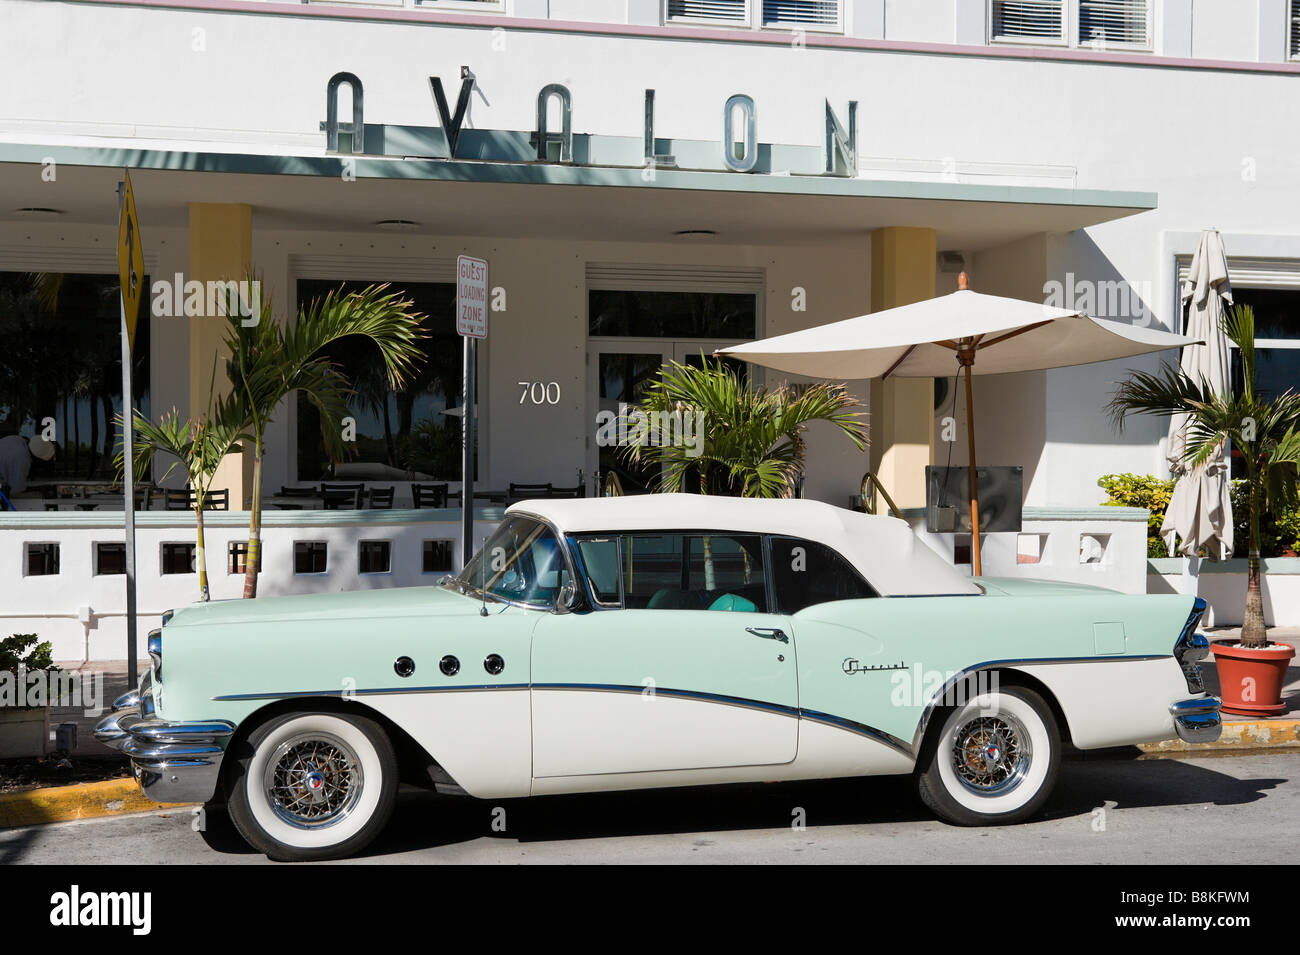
[
  {"x": 1197, "y": 720},
  {"x": 173, "y": 762}
]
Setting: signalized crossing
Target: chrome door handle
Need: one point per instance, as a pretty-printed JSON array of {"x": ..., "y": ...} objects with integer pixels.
[{"x": 768, "y": 633}]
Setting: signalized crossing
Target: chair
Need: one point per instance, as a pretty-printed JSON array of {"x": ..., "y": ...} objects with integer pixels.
[
  {"x": 298, "y": 492},
  {"x": 565, "y": 492},
  {"x": 341, "y": 498},
  {"x": 520, "y": 492},
  {"x": 429, "y": 495},
  {"x": 381, "y": 498},
  {"x": 174, "y": 500}
]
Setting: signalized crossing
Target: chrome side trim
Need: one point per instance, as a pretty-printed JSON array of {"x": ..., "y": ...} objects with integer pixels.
[
  {"x": 1197, "y": 720},
  {"x": 943, "y": 691}
]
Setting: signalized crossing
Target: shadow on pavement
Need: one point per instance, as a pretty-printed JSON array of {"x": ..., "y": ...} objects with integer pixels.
[{"x": 426, "y": 821}]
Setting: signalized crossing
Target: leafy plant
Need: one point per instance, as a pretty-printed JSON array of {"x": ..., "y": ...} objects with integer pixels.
[
  {"x": 751, "y": 441},
  {"x": 198, "y": 446},
  {"x": 1147, "y": 491},
  {"x": 269, "y": 362},
  {"x": 1263, "y": 431},
  {"x": 23, "y": 650}
]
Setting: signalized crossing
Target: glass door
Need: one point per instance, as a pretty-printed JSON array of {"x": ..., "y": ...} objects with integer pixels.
[{"x": 619, "y": 373}]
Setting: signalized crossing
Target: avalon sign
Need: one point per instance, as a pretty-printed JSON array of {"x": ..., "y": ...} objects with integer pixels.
[{"x": 736, "y": 150}]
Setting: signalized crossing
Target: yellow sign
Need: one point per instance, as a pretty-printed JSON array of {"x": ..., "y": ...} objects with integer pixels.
[{"x": 130, "y": 261}]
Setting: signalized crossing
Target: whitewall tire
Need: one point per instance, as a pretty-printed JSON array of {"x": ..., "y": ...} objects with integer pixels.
[
  {"x": 993, "y": 759},
  {"x": 314, "y": 786}
]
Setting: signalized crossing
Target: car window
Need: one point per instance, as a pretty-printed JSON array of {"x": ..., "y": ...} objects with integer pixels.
[
  {"x": 600, "y": 560},
  {"x": 521, "y": 562},
  {"x": 722, "y": 572},
  {"x": 805, "y": 573}
]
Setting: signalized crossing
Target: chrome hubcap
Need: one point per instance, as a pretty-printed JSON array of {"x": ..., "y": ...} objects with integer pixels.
[
  {"x": 991, "y": 754},
  {"x": 313, "y": 780}
]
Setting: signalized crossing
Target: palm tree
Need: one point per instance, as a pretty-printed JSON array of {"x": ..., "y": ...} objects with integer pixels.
[
  {"x": 1262, "y": 430},
  {"x": 199, "y": 447},
  {"x": 269, "y": 362},
  {"x": 750, "y": 442}
]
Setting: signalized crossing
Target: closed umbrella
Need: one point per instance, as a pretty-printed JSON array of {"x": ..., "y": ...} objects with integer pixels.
[
  {"x": 1200, "y": 509},
  {"x": 922, "y": 340}
]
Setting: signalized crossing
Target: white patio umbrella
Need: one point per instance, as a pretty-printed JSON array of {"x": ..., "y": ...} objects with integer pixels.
[
  {"x": 1200, "y": 509},
  {"x": 923, "y": 339}
]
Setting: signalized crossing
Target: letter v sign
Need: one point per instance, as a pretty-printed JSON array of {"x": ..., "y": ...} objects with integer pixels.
[{"x": 451, "y": 124}]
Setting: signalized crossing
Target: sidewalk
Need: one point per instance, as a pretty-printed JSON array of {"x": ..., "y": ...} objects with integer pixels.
[{"x": 115, "y": 684}]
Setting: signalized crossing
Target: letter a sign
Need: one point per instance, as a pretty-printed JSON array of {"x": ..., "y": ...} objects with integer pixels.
[
  {"x": 130, "y": 260},
  {"x": 471, "y": 296}
]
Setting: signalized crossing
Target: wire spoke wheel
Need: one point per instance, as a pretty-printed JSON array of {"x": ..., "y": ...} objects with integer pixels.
[
  {"x": 313, "y": 780},
  {"x": 991, "y": 754}
]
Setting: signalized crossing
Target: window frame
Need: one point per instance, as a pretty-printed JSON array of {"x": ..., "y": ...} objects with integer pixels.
[
  {"x": 388, "y": 569},
  {"x": 573, "y": 540},
  {"x": 27, "y": 560},
  {"x": 310, "y": 573},
  {"x": 1291, "y": 31},
  {"x": 754, "y": 19},
  {"x": 1069, "y": 38},
  {"x": 162, "y": 558},
  {"x": 774, "y": 600}
]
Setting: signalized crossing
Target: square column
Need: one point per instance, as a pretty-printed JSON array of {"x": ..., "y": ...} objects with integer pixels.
[
  {"x": 902, "y": 409},
  {"x": 221, "y": 249}
]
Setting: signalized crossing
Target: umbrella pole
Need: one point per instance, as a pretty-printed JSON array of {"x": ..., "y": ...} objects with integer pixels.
[{"x": 967, "y": 359}]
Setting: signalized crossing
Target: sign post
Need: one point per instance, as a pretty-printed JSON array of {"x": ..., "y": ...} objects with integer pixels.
[
  {"x": 471, "y": 325},
  {"x": 130, "y": 268}
]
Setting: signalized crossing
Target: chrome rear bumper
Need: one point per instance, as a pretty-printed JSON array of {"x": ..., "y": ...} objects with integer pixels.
[
  {"x": 1197, "y": 720},
  {"x": 173, "y": 762}
]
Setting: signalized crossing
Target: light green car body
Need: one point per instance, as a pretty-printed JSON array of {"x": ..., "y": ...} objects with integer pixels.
[{"x": 582, "y": 700}]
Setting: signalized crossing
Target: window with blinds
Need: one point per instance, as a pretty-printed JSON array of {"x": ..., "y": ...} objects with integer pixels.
[
  {"x": 801, "y": 13},
  {"x": 1294, "y": 46},
  {"x": 725, "y": 11},
  {"x": 1113, "y": 23},
  {"x": 1105, "y": 24},
  {"x": 1028, "y": 21}
]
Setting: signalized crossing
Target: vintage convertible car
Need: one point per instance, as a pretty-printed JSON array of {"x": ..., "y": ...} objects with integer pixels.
[{"x": 664, "y": 640}]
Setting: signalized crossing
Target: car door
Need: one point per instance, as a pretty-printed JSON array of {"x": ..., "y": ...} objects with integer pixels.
[{"x": 678, "y": 666}]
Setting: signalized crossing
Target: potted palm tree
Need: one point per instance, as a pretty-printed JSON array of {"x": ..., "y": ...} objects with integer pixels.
[
  {"x": 751, "y": 442},
  {"x": 270, "y": 361},
  {"x": 1264, "y": 432}
]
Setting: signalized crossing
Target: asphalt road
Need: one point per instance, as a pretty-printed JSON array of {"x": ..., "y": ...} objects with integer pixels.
[{"x": 1224, "y": 809}]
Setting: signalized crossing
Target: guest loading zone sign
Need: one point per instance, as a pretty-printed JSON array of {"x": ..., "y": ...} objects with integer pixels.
[
  {"x": 471, "y": 296},
  {"x": 736, "y": 150}
]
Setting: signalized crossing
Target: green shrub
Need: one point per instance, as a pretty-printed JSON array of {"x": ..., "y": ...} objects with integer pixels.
[
  {"x": 22, "y": 650},
  {"x": 1148, "y": 491},
  {"x": 1279, "y": 535}
]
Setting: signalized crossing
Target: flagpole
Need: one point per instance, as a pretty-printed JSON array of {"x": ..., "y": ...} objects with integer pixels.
[{"x": 128, "y": 479}]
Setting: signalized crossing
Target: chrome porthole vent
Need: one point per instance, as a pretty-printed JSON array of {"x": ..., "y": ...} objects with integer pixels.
[{"x": 313, "y": 780}]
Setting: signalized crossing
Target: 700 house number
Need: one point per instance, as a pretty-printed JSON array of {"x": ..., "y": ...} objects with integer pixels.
[{"x": 539, "y": 392}]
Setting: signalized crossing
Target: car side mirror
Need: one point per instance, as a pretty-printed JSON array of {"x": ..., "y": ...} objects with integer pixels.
[{"x": 566, "y": 598}]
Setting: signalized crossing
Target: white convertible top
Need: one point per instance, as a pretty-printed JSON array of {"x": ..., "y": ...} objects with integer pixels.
[{"x": 884, "y": 549}]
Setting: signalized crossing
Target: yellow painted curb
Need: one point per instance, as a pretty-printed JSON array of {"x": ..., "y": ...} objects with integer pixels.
[
  {"x": 112, "y": 797},
  {"x": 1240, "y": 735}
]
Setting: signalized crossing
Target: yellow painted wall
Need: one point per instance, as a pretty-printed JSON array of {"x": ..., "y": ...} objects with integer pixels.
[{"x": 902, "y": 420}]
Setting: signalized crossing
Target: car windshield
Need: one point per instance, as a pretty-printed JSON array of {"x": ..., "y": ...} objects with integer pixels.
[{"x": 521, "y": 562}]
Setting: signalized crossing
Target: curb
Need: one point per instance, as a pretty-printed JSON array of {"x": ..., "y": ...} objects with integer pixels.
[
  {"x": 1243, "y": 736},
  {"x": 112, "y": 797}
]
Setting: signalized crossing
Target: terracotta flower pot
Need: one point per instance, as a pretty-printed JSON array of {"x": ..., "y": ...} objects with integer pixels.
[{"x": 1250, "y": 678}]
